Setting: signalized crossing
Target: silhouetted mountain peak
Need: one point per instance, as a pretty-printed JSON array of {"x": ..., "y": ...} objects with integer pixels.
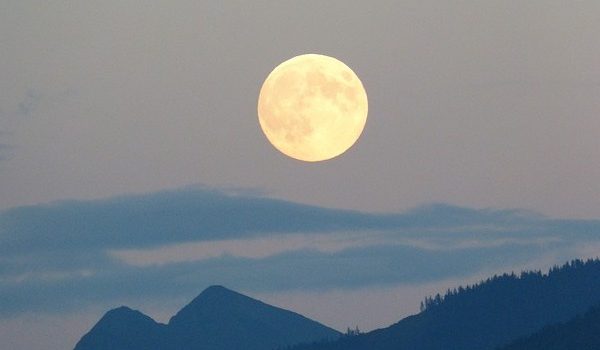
[
  {"x": 217, "y": 319},
  {"x": 218, "y": 293},
  {"x": 216, "y": 302},
  {"x": 218, "y": 313},
  {"x": 124, "y": 315},
  {"x": 123, "y": 328},
  {"x": 122, "y": 311}
]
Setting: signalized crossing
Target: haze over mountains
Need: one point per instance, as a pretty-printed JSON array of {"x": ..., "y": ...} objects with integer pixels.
[{"x": 486, "y": 316}]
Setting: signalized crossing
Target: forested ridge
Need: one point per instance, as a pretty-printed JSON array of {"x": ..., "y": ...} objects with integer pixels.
[{"x": 489, "y": 314}]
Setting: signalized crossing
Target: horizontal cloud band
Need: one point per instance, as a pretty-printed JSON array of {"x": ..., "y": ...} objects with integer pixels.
[{"x": 60, "y": 256}]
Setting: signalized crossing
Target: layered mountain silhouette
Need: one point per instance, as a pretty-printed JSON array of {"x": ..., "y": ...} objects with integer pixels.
[
  {"x": 581, "y": 333},
  {"x": 218, "y": 319},
  {"x": 488, "y": 315},
  {"x": 509, "y": 312}
]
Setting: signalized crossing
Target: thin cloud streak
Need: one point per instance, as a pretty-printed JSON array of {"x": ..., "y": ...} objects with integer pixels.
[
  {"x": 255, "y": 248},
  {"x": 297, "y": 270},
  {"x": 259, "y": 248}
]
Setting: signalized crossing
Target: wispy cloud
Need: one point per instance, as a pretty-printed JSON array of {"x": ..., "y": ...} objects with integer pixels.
[
  {"x": 165, "y": 218},
  {"x": 4, "y": 151},
  {"x": 29, "y": 103},
  {"x": 263, "y": 247},
  {"x": 203, "y": 215},
  {"x": 255, "y": 248},
  {"x": 59, "y": 256},
  {"x": 297, "y": 270}
]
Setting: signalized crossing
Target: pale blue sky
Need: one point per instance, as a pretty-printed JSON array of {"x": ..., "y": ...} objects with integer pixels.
[{"x": 123, "y": 108}]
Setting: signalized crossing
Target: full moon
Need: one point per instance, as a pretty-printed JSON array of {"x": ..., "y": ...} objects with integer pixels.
[{"x": 312, "y": 107}]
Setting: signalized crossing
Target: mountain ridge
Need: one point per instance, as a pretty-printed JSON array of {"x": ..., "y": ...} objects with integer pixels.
[
  {"x": 123, "y": 328},
  {"x": 487, "y": 315},
  {"x": 484, "y": 316},
  {"x": 581, "y": 333},
  {"x": 217, "y": 319}
]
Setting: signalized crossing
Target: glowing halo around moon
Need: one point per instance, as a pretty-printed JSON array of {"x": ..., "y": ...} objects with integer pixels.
[{"x": 312, "y": 107}]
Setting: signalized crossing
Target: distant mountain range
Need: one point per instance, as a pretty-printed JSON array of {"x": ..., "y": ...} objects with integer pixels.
[
  {"x": 488, "y": 315},
  {"x": 581, "y": 333},
  {"x": 218, "y": 319},
  {"x": 507, "y": 312}
]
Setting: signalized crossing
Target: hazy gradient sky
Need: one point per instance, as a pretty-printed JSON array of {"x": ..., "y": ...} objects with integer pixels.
[{"x": 475, "y": 103}]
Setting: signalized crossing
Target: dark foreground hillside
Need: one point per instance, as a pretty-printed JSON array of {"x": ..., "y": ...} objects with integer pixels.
[
  {"x": 581, "y": 333},
  {"x": 488, "y": 315},
  {"x": 218, "y": 319}
]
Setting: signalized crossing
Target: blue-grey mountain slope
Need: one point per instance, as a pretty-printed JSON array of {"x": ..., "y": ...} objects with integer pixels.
[
  {"x": 124, "y": 328},
  {"x": 488, "y": 315},
  {"x": 580, "y": 333},
  {"x": 218, "y": 319}
]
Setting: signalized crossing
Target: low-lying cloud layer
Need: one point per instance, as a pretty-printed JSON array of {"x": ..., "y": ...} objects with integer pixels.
[{"x": 66, "y": 255}]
